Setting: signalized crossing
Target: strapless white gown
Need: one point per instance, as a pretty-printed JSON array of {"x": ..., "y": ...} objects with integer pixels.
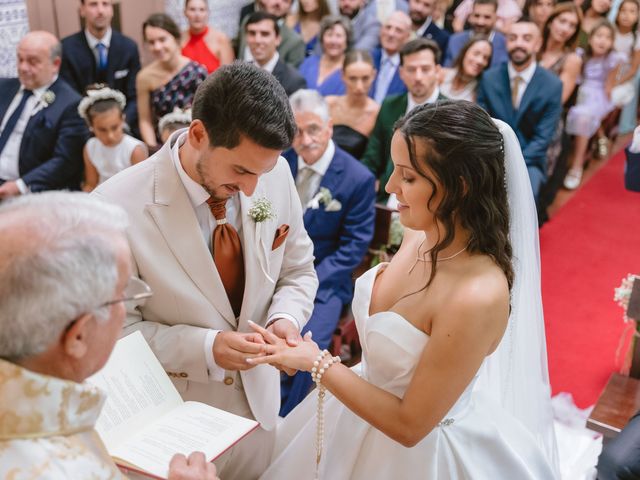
[{"x": 475, "y": 440}]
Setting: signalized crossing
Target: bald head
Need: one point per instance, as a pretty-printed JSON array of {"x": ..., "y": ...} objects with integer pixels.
[
  {"x": 39, "y": 57},
  {"x": 395, "y": 32}
]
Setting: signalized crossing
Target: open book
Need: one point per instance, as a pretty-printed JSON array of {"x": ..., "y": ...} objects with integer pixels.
[{"x": 144, "y": 421}]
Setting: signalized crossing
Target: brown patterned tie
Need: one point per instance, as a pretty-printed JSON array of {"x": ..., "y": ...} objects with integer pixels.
[{"x": 227, "y": 254}]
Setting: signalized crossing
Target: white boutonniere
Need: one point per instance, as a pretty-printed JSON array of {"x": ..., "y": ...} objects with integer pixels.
[
  {"x": 46, "y": 99},
  {"x": 324, "y": 196},
  {"x": 261, "y": 210}
]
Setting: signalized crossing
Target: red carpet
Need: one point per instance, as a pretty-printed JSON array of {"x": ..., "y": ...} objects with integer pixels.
[{"x": 587, "y": 248}]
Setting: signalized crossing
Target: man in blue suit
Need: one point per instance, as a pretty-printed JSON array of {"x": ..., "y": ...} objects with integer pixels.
[
  {"x": 420, "y": 12},
  {"x": 99, "y": 54},
  {"x": 394, "y": 34},
  {"x": 483, "y": 20},
  {"x": 41, "y": 133},
  {"x": 526, "y": 96},
  {"x": 338, "y": 198}
]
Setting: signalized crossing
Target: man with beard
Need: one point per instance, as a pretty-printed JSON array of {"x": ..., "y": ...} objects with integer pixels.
[
  {"x": 526, "y": 96},
  {"x": 216, "y": 231},
  {"x": 423, "y": 27},
  {"x": 365, "y": 20},
  {"x": 99, "y": 54},
  {"x": 482, "y": 20},
  {"x": 419, "y": 70}
]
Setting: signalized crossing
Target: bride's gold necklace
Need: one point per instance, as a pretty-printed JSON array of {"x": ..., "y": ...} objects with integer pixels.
[{"x": 443, "y": 259}]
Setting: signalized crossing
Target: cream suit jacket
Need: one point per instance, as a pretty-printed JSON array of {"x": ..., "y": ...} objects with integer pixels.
[{"x": 170, "y": 254}]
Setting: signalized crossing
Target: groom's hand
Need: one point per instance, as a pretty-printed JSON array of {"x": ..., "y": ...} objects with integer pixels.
[
  {"x": 231, "y": 349},
  {"x": 284, "y": 329}
]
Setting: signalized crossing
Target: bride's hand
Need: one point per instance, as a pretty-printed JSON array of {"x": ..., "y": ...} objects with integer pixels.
[{"x": 300, "y": 357}]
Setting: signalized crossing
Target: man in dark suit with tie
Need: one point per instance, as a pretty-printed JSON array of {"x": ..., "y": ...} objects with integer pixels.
[
  {"x": 419, "y": 71},
  {"x": 338, "y": 199},
  {"x": 526, "y": 96},
  {"x": 393, "y": 35},
  {"x": 41, "y": 133},
  {"x": 262, "y": 34},
  {"x": 482, "y": 20},
  {"x": 420, "y": 12},
  {"x": 99, "y": 54}
]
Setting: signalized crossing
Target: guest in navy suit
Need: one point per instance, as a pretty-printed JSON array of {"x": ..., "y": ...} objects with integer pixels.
[
  {"x": 420, "y": 12},
  {"x": 99, "y": 54},
  {"x": 41, "y": 133},
  {"x": 526, "y": 96},
  {"x": 386, "y": 60},
  {"x": 482, "y": 20},
  {"x": 341, "y": 227}
]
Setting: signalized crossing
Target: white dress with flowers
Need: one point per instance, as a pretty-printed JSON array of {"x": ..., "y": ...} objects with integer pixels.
[{"x": 477, "y": 439}]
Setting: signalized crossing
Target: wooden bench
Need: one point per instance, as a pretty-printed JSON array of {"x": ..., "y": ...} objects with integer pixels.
[
  {"x": 346, "y": 332},
  {"x": 619, "y": 401}
]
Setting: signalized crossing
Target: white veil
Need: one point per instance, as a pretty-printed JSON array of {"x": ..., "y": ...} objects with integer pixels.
[{"x": 516, "y": 374}]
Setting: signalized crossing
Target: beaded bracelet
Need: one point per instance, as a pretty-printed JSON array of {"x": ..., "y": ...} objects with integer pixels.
[{"x": 320, "y": 366}]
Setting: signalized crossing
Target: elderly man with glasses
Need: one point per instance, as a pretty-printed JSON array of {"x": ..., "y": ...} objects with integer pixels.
[{"x": 65, "y": 284}]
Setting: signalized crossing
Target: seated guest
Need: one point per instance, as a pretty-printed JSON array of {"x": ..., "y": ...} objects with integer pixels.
[
  {"x": 526, "y": 96},
  {"x": 41, "y": 133},
  {"x": 338, "y": 196},
  {"x": 306, "y": 22},
  {"x": 557, "y": 54},
  {"x": 292, "y": 49},
  {"x": 65, "y": 285},
  {"x": 594, "y": 12},
  {"x": 99, "y": 54},
  {"x": 601, "y": 64},
  {"x": 394, "y": 34},
  {"x": 201, "y": 43},
  {"x": 365, "y": 25},
  {"x": 508, "y": 11},
  {"x": 262, "y": 34},
  {"x": 461, "y": 81},
  {"x": 539, "y": 11},
  {"x": 419, "y": 71},
  {"x": 110, "y": 150},
  {"x": 323, "y": 72},
  {"x": 172, "y": 122},
  {"x": 354, "y": 113},
  {"x": 169, "y": 81},
  {"x": 421, "y": 12},
  {"x": 482, "y": 20}
]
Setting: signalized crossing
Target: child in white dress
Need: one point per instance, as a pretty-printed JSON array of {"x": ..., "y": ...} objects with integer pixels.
[
  {"x": 173, "y": 121},
  {"x": 110, "y": 150}
]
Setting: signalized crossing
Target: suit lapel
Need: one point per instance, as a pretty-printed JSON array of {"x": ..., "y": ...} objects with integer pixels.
[
  {"x": 174, "y": 215},
  {"x": 256, "y": 249},
  {"x": 504, "y": 93}
]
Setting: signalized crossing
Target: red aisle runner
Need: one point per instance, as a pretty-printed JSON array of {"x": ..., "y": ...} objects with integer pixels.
[{"x": 586, "y": 249}]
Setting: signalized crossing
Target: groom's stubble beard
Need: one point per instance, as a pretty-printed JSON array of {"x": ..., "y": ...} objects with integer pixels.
[{"x": 204, "y": 181}]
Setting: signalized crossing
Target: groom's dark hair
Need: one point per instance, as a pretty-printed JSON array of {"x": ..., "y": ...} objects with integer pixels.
[{"x": 242, "y": 100}]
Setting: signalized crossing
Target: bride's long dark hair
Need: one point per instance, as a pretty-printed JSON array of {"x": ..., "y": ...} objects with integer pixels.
[{"x": 465, "y": 154}]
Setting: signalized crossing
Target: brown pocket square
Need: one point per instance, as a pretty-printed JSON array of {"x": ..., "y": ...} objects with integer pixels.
[{"x": 280, "y": 236}]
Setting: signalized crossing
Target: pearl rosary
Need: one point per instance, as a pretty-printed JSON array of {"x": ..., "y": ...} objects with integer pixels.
[{"x": 320, "y": 366}]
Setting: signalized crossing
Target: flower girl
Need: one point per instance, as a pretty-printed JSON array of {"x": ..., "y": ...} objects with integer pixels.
[{"x": 110, "y": 150}]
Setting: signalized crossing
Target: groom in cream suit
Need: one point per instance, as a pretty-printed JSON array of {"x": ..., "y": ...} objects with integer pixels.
[{"x": 204, "y": 291}]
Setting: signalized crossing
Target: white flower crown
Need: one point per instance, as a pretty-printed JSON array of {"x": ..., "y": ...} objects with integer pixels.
[
  {"x": 177, "y": 116},
  {"x": 94, "y": 96}
]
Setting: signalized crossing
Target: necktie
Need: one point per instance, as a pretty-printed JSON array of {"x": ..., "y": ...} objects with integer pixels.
[
  {"x": 303, "y": 181},
  {"x": 102, "y": 56},
  {"x": 384, "y": 80},
  {"x": 227, "y": 255},
  {"x": 517, "y": 81},
  {"x": 13, "y": 119}
]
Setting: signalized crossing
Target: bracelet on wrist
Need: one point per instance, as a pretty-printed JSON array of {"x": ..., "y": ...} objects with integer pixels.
[{"x": 321, "y": 364}]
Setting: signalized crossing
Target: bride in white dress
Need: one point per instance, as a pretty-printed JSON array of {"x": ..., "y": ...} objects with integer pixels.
[{"x": 437, "y": 395}]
